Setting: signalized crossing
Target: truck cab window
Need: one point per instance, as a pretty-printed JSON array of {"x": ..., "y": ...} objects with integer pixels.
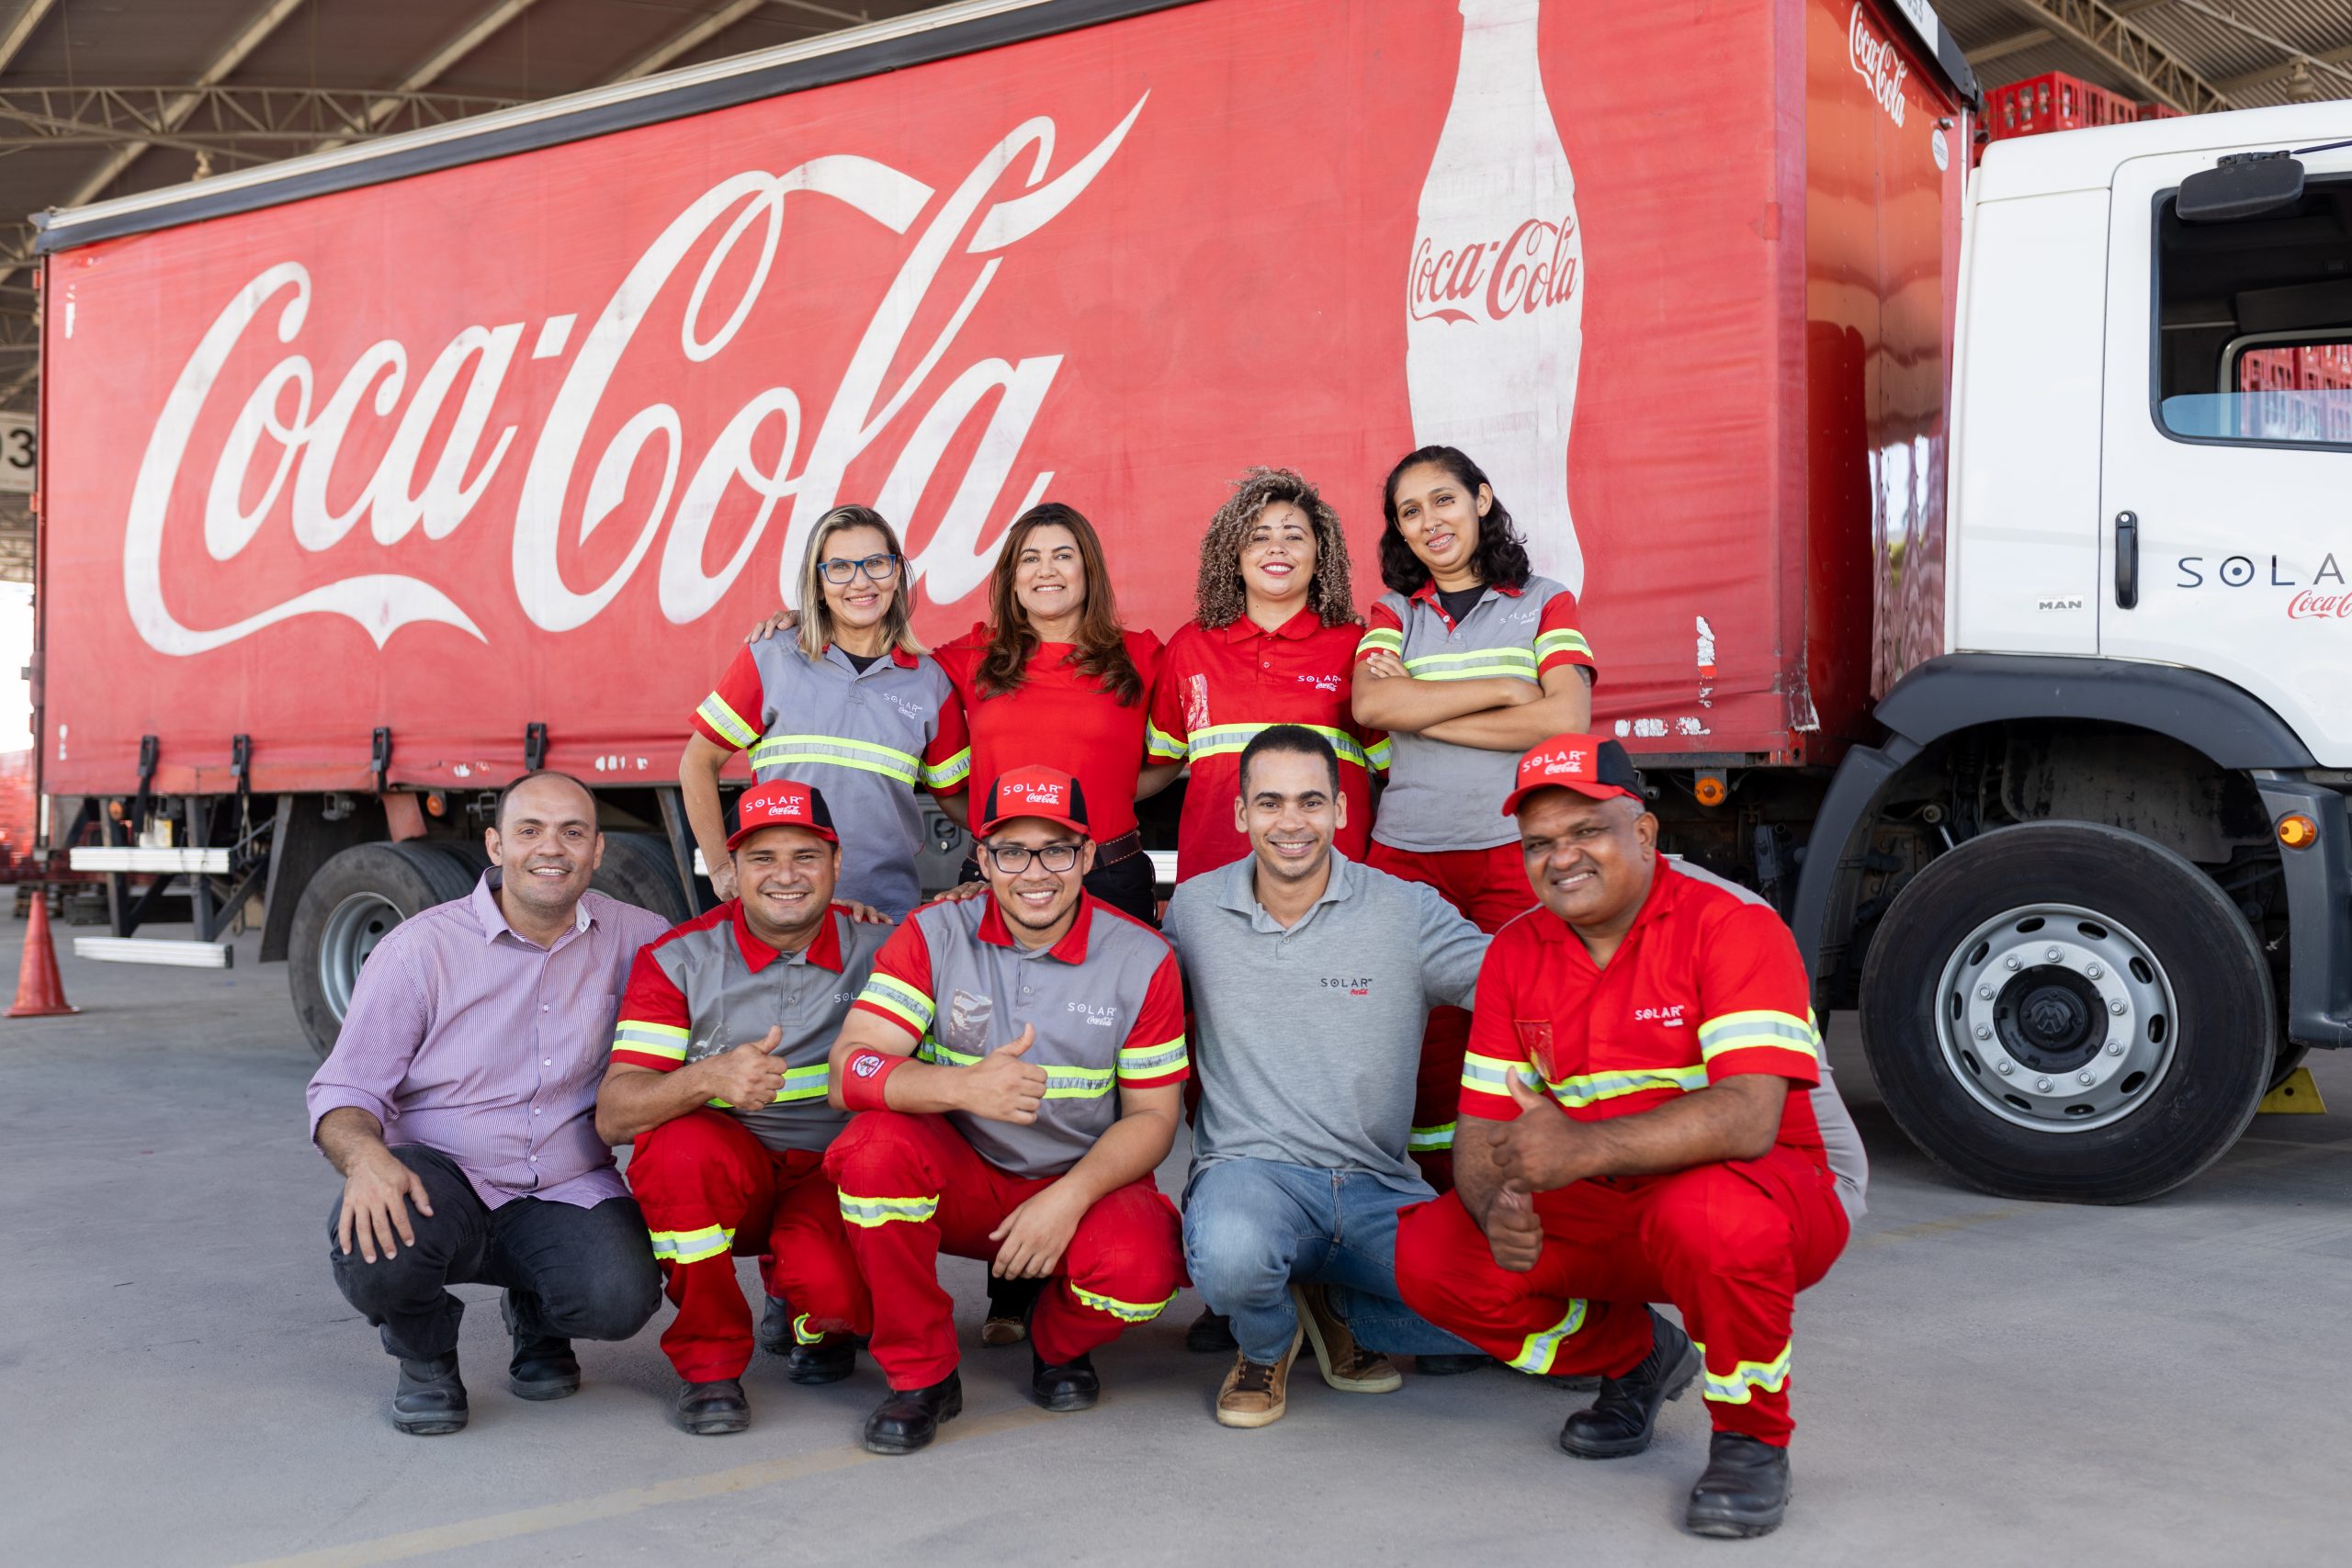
[{"x": 2254, "y": 325}]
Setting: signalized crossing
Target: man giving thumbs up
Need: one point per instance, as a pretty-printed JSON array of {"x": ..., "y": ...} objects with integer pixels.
[{"x": 1014, "y": 1061}]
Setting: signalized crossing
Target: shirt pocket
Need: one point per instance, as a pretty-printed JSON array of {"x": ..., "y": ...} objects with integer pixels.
[{"x": 577, "y": 1041}]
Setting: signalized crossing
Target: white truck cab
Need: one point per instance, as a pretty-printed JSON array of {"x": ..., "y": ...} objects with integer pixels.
[{"x": 2091, "y": 892}]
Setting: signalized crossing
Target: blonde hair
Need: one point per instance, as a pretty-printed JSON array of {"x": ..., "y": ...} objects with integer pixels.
[
  {"x": 1219, "y": 599},
  {"x": 816, "y": 629}
]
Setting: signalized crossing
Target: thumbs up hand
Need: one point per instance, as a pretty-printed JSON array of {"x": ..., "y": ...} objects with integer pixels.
[
  {"x": 1514, "y": 1231},
  {"x": 1003, "y": 1087},
  {"x": 1545, "y": 1148},
  {"x": 748, "y": 1076}
]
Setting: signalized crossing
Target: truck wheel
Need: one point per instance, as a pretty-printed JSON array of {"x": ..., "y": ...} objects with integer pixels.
[
  {"x": 638, "y": 869},
  {"x": 2066, "y": 1010},
  {"x": 349, "y": 905}
]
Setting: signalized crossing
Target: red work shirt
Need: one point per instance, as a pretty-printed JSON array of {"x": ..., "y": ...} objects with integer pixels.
[
  {"x": 1704, "y": 987},
  {"x": 1059, "y": 718},
  {"x": 1219, "y": 687}
]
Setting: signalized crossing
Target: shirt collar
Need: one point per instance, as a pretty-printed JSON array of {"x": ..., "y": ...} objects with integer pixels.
[
  {"x": 824, "y": 949},
  {"x": 1239, "y": 892},
  {"x": 487, "y": 910},
  {"x": 1427, "y": 594},
  {"x": 1072, "y": 949},
  {"x": 898, "y": 656},
  {"x": 1298, "y": 628}
]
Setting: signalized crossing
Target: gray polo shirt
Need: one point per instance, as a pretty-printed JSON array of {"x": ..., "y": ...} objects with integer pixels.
[{"x": 1307, "y": 1040}]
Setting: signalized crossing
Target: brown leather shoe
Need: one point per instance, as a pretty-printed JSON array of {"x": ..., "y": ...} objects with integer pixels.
[
  {"x": 1347, "y": 1366},
  {"x": 1254, "y": 1393}
]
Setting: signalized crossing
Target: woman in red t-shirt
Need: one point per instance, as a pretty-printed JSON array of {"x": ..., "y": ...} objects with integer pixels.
[
  {"x": 1053, "y": 677},
  {"x": 1273, "y": 642}
]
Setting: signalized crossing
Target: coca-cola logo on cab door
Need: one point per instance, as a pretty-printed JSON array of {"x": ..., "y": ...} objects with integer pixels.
[
  {"x": 285, "y": 438},
  {"x": 1876, "y": 61},
  {"x": 1528, "y": 270}
]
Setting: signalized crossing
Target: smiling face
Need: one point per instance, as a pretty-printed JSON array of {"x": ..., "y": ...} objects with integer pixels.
[
  {"x": 1291, "y": 808},
  {"x": 1039, "y": 904},
  {"x": 1589, "y": 861},
  {"x": 547, "y": 846},
  {"x": 784, "y": 876},
  {"x": 1049, "y": 575},
  {"x": 859, "y": 604},
  {"x": 1438, "y": 517},
  {"x": 1278, "y": 557}
]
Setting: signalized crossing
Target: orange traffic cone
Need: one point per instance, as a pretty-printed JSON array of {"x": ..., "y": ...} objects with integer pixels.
[{"x": 40, "y": 991}]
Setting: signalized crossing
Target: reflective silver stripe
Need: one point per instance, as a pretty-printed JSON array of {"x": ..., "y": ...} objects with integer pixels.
[{"x": 782, "y": 751}]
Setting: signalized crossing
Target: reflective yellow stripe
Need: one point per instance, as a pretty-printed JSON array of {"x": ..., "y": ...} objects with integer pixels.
[
  {"x": 899, "y": 999},
  {"x": 1163, "y": 747},
  {"x": 1125, "y": 1311},
  {"x": 1381, "y": 639},
  {"x": 1429, "y": 1140},
  {"x": 1539, "y": 1349},
  {"x": 804, "y": 1335},
  {"x": 1077, "y": 1083},
  {"x": 1475, "y": 664},
  {"x": 651, "y": 1039},
  {"x": 1772, "y": 1376},
  {"x": 1379, "y": 754},
  {"x": 1561, "y": 641},
  {"x": 1153, "y": 1061},
  {"x": 799, "y": 1083},
  {"x": 1588, "y": 1090},
  {"x": 932, "y": 1051},
  {"x": 954, "y": 770},
  {"x": 1490, "y": 1075},
  {"x": 1743, "y": 1030},
  {"x": 833, "y": 750},
  {"x": 868, "y": 1213},
  {"x": 730, "y": 724},
  {"x": 1228, "y": 740},
  {"x": 692, "y": 1247}
]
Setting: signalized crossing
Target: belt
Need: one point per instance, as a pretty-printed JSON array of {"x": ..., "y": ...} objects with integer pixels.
[{"x": 1111, "y": 852}]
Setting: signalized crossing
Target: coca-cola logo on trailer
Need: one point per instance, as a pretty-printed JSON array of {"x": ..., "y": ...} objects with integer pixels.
[
  {"x": 1532, "y": 268},
  {"x": 285, "y": 437},
  {"x": 1876, "y": 61}
]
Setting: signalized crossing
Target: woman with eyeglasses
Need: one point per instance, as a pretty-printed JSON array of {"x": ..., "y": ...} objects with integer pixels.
[
  {"x": 850, "y": 704},
  {"x": 1052, "y": 679}
]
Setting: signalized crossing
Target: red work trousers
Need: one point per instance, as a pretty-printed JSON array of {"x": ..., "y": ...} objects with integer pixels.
[
  {"x": 911, "y": 1187},
  {"x": 1729, "y": 1244},
  {"x": 1490, "y": 887},
  {"x": 710, "y": 1191}
]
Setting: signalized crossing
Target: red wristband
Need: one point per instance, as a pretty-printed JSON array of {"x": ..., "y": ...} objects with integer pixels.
[{"x": 863, "y": 1075}]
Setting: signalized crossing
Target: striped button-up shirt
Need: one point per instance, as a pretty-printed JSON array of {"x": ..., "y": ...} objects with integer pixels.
[{"x": 469, "y": 1040}]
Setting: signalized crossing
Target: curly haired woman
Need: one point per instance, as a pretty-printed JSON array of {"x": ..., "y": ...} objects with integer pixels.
[{"x": 1273, "y": 642}]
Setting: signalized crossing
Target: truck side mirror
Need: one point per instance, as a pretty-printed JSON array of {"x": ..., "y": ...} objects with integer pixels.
[{"x": 2243, "y": 184}]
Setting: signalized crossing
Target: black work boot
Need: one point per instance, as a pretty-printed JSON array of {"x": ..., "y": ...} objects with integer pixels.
[
  {"x": 829, "y": 1359},
  {"x": 1743, "y": 1491},
  {"x": 775, "y": 1326},
  {"x": 1211, "y": 1334},
  {"x": 908, "y": 1419},
  {"x": 1622, "y": 1419},
  {"x": 543, "y": 1368},
  {"x": 710, "y": 1409},
  {"x": 429, "y": 1400},
  {"x": 1070, "y": 1386},
  {"x": 1451, "y": 1365}
]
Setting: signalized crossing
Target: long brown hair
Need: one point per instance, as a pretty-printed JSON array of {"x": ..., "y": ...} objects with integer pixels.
[
  {"x": 1101, "y": 650},
  {"x": 1220, "y": 599}
]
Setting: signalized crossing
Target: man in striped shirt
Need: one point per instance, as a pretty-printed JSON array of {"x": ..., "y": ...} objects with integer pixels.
[{"x": 1633, "y": 1056}]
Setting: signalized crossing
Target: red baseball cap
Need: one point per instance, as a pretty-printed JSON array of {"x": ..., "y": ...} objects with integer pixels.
[
  {"x": 1033, "y": 792},
  {"x": 782, "y": 803},
  {"x": 1585, "y": 763}
]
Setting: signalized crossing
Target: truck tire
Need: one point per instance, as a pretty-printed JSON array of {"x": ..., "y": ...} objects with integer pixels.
[
  {"x": 350, "y": 902},
  {"x": 2066, "y": 1010},
  {"x": 638, "y": 869}
]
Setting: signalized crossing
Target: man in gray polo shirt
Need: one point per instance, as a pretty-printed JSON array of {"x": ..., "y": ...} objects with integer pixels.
[{"x": 1310, "y": 977}]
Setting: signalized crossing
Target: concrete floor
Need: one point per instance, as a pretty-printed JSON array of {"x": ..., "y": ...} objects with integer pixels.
[{"x": 1978, "y": 1380}]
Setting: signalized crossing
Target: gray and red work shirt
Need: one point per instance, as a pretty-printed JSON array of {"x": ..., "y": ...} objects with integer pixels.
[
  {"x": 1441, "y": 796},
  {"x": 868, "y": 739},
  {"x": 709, "y": 986},
  {"x": 1106, "y": 1000}
]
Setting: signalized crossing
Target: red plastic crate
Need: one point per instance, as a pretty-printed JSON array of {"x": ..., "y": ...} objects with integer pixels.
[{"x": 2054, "y": 101}]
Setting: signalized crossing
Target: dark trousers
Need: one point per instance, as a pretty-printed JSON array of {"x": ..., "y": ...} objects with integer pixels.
[
  {"x": 569, "y": 1273},
  {"x": 1125, "y": 887}
]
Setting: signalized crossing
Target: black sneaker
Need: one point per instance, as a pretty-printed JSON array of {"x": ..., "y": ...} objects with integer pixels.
[
  {"x": 1623, "y": 1418},
  {"x": 711, "y": 1409},
  {"x": 1070, "y": 1386},
  {"x": 908, "y": 1419},
  {"x": 829, "y": 1359},
  {"x": 1211, "y": 1334},
  {"x": 429, "y": 1400},
  {"x": 1743, "y": 1491}
]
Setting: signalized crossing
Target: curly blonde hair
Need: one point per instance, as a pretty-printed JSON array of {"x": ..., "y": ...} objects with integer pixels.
[{"x": 1220, "y": 599}]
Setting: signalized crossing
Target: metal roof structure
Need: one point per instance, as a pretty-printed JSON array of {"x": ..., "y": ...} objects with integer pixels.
[{"x": 107, "y": 98}]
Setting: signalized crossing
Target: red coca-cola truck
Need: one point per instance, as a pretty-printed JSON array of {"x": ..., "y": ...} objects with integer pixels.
[{"x": 372, "y": 478}]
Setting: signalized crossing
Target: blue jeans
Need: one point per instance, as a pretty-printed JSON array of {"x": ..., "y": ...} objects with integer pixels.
[{"x": 1252, "y": 1227}]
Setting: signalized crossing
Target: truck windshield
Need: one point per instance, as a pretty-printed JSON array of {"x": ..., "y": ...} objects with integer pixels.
[{"x": 2255, "y": 324}]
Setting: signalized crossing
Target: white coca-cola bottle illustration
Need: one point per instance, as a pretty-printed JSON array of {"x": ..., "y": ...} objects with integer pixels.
[{"x": 1495, "y": 297}]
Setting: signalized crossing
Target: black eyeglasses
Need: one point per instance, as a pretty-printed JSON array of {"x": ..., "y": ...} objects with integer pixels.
[
  {"x": 1013, "y": 859},
  {"x": 877, "y": 568}
]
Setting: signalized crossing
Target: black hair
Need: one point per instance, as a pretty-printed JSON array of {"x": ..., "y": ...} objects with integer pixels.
[
  {"x": 1500, "y": 559},
  {"x": 498, "y": 818},
  {"x": 1294, "y": 738}
]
